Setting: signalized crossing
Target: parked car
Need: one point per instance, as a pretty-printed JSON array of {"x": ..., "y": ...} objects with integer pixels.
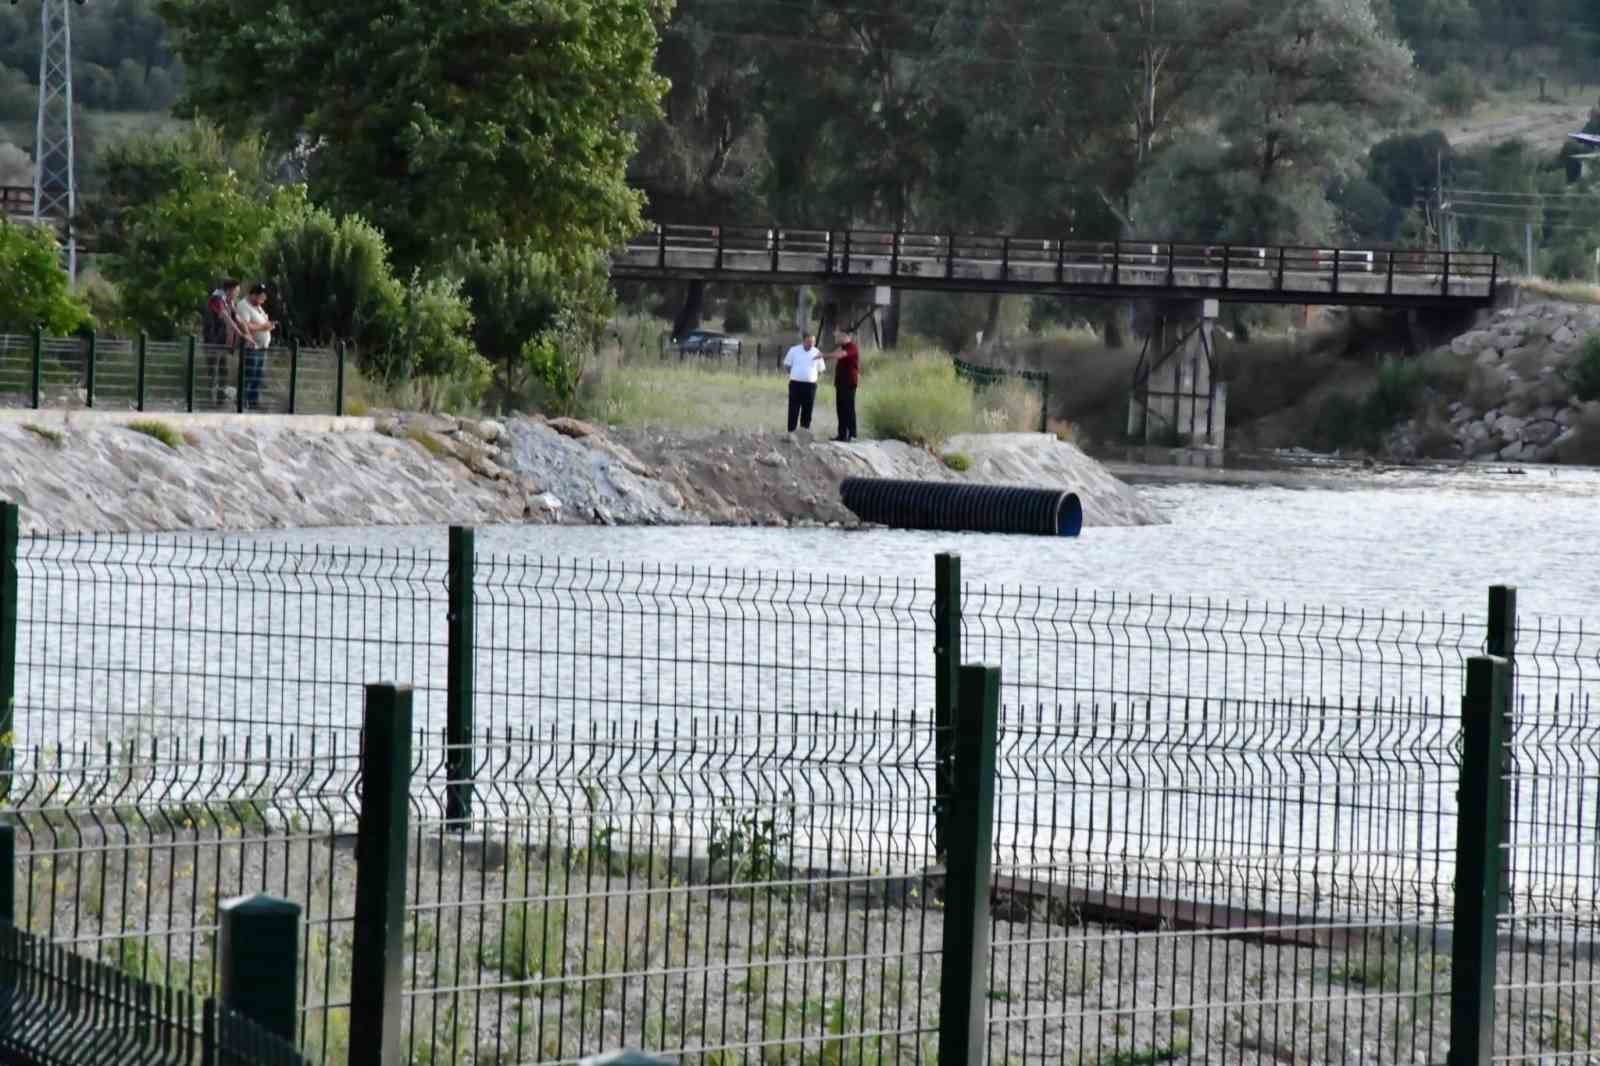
[{"x": 706, "y": 343}]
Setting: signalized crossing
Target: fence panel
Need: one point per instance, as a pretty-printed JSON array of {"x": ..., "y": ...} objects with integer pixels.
[
  {"x": 124, "y": 853},
  {"x": 696, "y": 888},
  {"x": 189, "y": 636}
]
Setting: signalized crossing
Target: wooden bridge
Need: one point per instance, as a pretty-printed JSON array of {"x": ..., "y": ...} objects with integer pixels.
[{"x": 1230, "y": 273}]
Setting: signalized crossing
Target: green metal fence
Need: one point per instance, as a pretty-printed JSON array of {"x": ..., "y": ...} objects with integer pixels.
[
  {"x": 1220, "y": 832},
  {"x": 985, "y": 376},
  {"x": 140, "y": 374}
]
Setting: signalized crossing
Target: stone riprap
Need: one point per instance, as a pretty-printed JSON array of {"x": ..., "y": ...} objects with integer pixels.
[
  {"x": 94, "y": 472},
  {"x": 1519, "y": 406}
]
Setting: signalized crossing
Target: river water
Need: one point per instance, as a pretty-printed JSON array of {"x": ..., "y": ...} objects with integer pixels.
[{"x": 1270, "y": 681}]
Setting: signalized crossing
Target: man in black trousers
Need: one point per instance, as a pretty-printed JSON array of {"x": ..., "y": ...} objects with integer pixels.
[
  {"x": 804, "y": 362},
  {"x": 846, "y": 376}
]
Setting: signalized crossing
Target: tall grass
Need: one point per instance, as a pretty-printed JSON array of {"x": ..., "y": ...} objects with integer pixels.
[{"x": 919, "y": 400}]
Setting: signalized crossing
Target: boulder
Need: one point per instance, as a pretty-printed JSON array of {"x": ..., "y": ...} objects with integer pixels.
[
  {"x": 1509, "y": 427},
  {"x": 1540, "y": 432},
  {"x": 1563, "y": 334},
  {"x": 1513, "y": 451},
  {"x": 1471, "y": 343},
  {"x": 572, "y": 427}
]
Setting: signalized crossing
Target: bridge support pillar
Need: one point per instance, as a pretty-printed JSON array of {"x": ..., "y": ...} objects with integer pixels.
[
  {"x": 845, "y": 307},
  {"x": 1176, "y": 398}
]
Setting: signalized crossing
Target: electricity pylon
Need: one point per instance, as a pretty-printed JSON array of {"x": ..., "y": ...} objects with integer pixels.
[{"x": 55, "y": 181}]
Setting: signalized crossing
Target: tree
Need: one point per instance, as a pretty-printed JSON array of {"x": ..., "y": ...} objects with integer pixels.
[
  {"x": 33, "y": 287},
  {"x": 331, "y": 279},
  {"x": 442, "y": 123}
]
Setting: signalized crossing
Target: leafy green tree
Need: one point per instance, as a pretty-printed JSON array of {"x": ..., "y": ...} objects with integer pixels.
[
  {"x": 520, "y": 297},
  {"x": 175, "y": 247},
  {"x": 33, "y": 286},
  {"x": 428, "y": 345},
  {"x": 442, "y": 123},
  {"x": 332, "y": 279}
]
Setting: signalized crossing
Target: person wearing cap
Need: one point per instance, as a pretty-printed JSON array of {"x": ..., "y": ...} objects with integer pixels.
[
  {"x": 257, "y": 329},
  {"x": 846, "y": 376}
]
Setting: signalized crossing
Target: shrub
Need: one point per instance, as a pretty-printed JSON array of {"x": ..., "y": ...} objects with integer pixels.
[
  {"x": 43, "y": 432},
  {"x": 554, "y": 370},
  {"x": 736, "y": 318},
  {"x": 36, "y": 290},
  {"x": 1582, "y": 374},
  {"x": 331, "y": 278},
  {"x": 920, "y": 401},
  {"x": 1013, "y": 406},
  {"x": 1456, "y": 90},
  {"x": 159, "y": 431},
  {"x": 960, "y": 462}
]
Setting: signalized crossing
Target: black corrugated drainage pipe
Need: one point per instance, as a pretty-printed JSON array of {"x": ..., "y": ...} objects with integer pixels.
[{"x": 954, "y": 506}]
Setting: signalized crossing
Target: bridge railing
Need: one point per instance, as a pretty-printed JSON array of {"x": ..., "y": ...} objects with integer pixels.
[{"x": 1022, "y": 262}]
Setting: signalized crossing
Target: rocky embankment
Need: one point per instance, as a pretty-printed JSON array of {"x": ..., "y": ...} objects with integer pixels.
[
  {"x": 1518, "y": 403},
  {"x": 91, "y": 472}
]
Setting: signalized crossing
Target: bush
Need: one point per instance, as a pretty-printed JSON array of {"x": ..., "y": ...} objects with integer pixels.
[
  {"x": 1013, "y": 406},
  {"x": 331, "y": 278},
  {"x": 1346, "y": 422},
  {"x": 159, "y": 431},
  {"x": 555, "y": 371},
  {"x": 36, "y": 290},
  {"x": 1582, "y": 374},
  {"x": 920, "y": 401},
  {"x": 960, "y": 462},
  {"x": 736, "y": 318},
  {"x": 1457, "y": 90}
]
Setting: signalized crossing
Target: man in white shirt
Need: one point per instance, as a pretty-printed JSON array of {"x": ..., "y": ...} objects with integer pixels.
[
  {"x": 257, "y": 327},
  {"x": 805, "y": 363}
]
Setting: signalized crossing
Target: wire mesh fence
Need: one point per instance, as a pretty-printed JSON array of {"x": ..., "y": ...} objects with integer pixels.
[
  {"x": 706, "y": 804},
  {"x": 125, "y": 374},
  {"x": 125, "y": 853}
]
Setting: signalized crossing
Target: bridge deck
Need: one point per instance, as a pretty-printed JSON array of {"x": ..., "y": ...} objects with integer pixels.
[{"x": 1114, "y": 269}]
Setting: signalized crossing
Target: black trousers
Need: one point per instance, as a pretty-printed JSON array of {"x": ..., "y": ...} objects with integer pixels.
[
  {"x": 847, "y": 411},
  {"x": 802, "y": 397}
]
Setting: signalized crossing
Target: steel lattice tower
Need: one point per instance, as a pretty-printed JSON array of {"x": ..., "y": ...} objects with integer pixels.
[{"x": 55, "y": 183}]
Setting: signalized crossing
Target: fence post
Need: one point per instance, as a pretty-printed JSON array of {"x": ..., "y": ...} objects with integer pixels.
[
  {"x": 10, "y": 526},
  {"x": 1044, "y": 403},
  {"x": 338, "y": 380},
  {"x": 238, "y": 393},
  {"x": 458, "y": 684},
  {"x": 88, "y": 400},
  {"x": 1502, "y": 642},
  {"x": 294, "y": 370},
  {"x": 257, "y": 964},
  {"x": 379, "y": 947},
  {"x": 188, "y": 376},
  {"x": 8, "y": 875},
  {"x": 964, "y": 983},
  {"x": 946, "y": 679},
  {"x": 38, "y": 366},
  {"x": 139, "y": 371},
  {"x": 1477, "y": 890}
]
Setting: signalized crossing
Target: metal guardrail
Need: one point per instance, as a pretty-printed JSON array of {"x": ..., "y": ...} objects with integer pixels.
[
  {"x": 139, "y": 374},
  {"x": 952, "y": 261}
]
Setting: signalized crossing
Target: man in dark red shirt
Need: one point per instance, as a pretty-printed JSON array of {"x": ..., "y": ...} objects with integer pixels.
[{"x": 846, "y": 376}]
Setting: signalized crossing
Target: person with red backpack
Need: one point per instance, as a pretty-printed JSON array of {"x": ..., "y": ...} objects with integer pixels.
[{"x": 221, "y": 333}]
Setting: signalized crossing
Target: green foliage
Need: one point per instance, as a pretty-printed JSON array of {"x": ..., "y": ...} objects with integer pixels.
[
  {"x": 427, "y": 344},
  {"x": 920, "y": 401},
  {"x": 176, "y": 246},
  {"x": 1457, "y": 90},
  {"x": 1345, "y": 422},
  {"x": 44, "y": 433},
  {"x": 960, "y": 462},
  {"x": 747, "y": 843},
  {"x": 160, "y": 431},
  {"x": 533, "y": 318},
  {"x": 1582, "y": 373},
  {"x": 532, "y": 942},
  {"x": 554, "y": 370},
  {"x": 442, "y": 123},
  {"x": 332, "y": 279},
  {"x": 1151, "y": 1056},
  {"x": 736, "y": 318},
  {"x": 35, "y": 289}
]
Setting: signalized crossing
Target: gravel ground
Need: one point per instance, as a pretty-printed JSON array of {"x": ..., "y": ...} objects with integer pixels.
[{"x": 541, "y": 955}]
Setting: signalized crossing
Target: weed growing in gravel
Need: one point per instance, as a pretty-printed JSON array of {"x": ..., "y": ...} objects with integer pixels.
[
  {"x": 744, "y": 845},
  {"x": 1151, "y": 1056},
  {"x": 43, "y": 432},
  {"x": 531, "y": 940},
  {"x": 158, "y": 431}
]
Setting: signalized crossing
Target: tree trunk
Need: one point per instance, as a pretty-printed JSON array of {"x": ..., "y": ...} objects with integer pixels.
[
  {"x": 1116, "y": 334},
  {"x": 891, "y": 321},
  {"x": 991, "y": 322},
  {"x": 692, "y": 311}
]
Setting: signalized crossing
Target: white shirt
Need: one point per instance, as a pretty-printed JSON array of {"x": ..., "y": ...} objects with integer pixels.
[
  {"x": 253, "y": 321},
  {"x": 804, "y": 363}
]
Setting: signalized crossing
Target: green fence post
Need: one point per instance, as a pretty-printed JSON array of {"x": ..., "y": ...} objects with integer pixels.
[
  {"x": 1044, "y": 403},
  {"x": 238, "y": 395},
  {"x": 88, "y": 400},
  {"x": 459, "y": 763},
  {"x": 257, "y": 964},
  {"x": 138, "y": 375},
  {"x": 10, "y": 527},
  {"x": 38, "y": 367},
  {"x": 188, "y": 375},
  {"x": 1479, "y": 819},
  {"x": 294, "y": 370},
  {"x": 338, "y": 379},
  {"x": 964, "y": 982},
  {"x": 8, "y": 875},
  {"x": 1502, "y": 641},
  {"x": 946, "y": 678},
  {"x": 378, "y": 950}
]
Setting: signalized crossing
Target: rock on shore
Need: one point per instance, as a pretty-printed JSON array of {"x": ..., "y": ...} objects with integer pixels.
[{"x": 92, "y": 472}]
